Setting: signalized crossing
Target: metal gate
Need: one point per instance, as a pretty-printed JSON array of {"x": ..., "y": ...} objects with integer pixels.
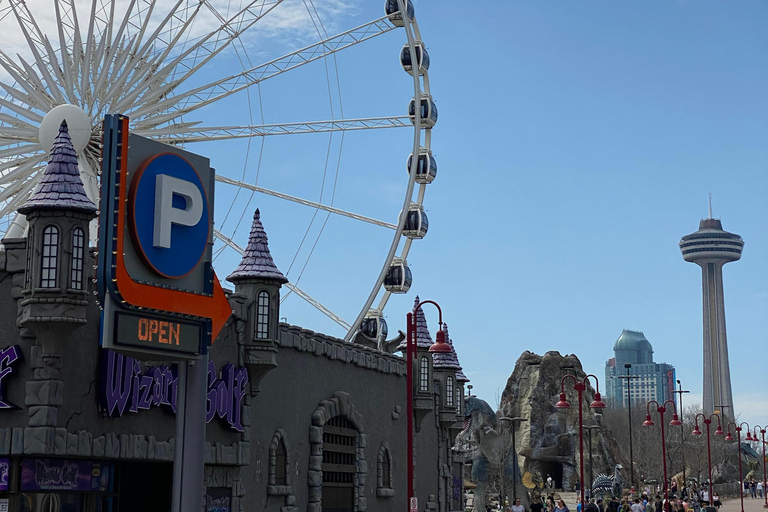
[{"x": 339, "y": 465}]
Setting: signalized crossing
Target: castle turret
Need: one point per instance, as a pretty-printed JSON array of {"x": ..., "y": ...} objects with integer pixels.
[
  {"x": 55, "y": 294},
  {"x": 423, "y": 401},
  {"x": 259, "y": 280}
]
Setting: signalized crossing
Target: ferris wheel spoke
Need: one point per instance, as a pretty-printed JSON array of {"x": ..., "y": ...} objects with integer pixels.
[
  {"x": 25, "y": 112},
  {"x": 319, "y": 206},
  {"x": 35, "y": 97},
  {"x": 199, "y": 97},
  {"x": 69, "y": 40},
  {"x": 19, "y": 150},
  {"x": 24, "y": 167},
  {"x": 292, "y": 287},
  {"x": 176, "y": 134},
  {"x": 113, "y": 50},
  {"x": 207, "y": 48},
  {"x": 19, "y": 192},
  {"x": 317, "y": 305},
  {"x": 16, "y": 122},
  {"x": 202, "y": 51}
]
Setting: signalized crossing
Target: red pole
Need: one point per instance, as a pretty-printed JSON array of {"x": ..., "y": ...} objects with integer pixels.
[
  {"x": 765, "y": 489},
  {"x": 707, "y": 421},
  {"x": 741, "y": 477},
  {"x": 580, "y": 387},
  {"x": 664, "y": 456},
  {"x": 409, "y": 379}
]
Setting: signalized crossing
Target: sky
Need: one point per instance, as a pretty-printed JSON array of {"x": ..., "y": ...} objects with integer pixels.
[{"x": 577, "y": 142}]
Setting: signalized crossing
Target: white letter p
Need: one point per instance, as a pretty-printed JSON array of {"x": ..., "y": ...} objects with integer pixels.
[{"x": 166, "y": 215}]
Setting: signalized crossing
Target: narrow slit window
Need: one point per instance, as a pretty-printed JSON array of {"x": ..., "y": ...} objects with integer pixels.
[
  {"x": 424, "y": 374},
  {"x": 281, "y": 469},
  {"x": 262, "y": 316},
  {"x": 50, "y": 257},
  {"x": 449, "y": 392},
  {"x": 458, "y": 400},
  {"x": 78, "y": 254}
]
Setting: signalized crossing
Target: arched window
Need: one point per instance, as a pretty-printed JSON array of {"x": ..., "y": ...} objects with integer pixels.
[
  {"x": 50, "y": 258},
  {"x": 424, "y": 374},
  {"x": 279, "y": 465},
  {"x": 78, "y": 255},
  {"x": 449, "y": 391},
  {"x": 384, "y": 466},
  {"x": 262, "y": 315}
]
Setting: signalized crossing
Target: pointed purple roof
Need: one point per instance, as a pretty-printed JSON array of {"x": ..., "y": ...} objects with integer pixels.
[
  {"x": 60, "y": 188},
  {"x": 423, "y": 338},
  {"x": 257, "y": 261},
  {"x": 449, "y": 360}
]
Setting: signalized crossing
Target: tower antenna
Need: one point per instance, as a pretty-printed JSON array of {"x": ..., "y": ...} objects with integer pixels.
[{"x": 710, "y": 205}]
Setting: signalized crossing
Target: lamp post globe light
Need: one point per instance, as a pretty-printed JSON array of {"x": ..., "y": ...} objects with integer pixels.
[
  {"x": 579, "y": 386},
  {"x": 754, "y": 438},
  {"x": 719, "y": 432},
  {"x": 729, "y": 437},
  {"x": 661, "y": 409},
  {"x": 439, "y": 346}
]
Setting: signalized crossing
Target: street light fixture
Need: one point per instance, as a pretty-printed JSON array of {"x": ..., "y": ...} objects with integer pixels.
[
  {"x": 679, "y": 391},
  {"x": 719, "y": 432},
  {"x": 628, "y": 378},
  {"x": 590, "y": 428},
  {"x": 439, "y": 346},
  {"x": 597, "y": 403},
  {"x": 514, "y": 452},
  {"x": 729, "y": 437},
  {"x": 754, "y": 438},
  {"x": 661, "y": 409}
]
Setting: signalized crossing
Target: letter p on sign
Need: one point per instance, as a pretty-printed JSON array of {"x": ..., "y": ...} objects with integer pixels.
[{"x": 165, "y": 213}]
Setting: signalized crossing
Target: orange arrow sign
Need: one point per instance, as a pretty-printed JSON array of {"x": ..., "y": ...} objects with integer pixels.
[{"x": 215, "y": 307}]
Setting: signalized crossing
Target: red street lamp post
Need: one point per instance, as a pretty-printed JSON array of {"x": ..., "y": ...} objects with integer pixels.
[
  {"x": 597, "y": 403},
  {"x": 729, "y": 437},
  {"x": 754, "y": 438},
  {"x": 661, "y": 409},
  {"x": 719, "y": 432},
  {"x": 439, "y": 346}
]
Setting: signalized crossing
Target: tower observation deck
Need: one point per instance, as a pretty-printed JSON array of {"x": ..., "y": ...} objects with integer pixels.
[{"x": 711, "y": 247}]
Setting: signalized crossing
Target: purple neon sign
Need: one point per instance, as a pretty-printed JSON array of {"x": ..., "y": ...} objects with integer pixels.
[
  {"x": 9, "y": 356},
  {"x": 125, "y": 387},
  {"x": 5, "y": 469}
]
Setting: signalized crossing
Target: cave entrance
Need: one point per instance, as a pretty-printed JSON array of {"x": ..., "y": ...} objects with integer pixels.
[{"x": 555, "y": 470}]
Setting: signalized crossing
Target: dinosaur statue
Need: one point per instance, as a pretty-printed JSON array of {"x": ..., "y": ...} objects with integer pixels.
[
  {"x": 490, "y": 453},
  {"x": 605, "y": 484}
]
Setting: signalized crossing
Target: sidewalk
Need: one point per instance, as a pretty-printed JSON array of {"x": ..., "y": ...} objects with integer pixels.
[{"x": 750, "y": 505}]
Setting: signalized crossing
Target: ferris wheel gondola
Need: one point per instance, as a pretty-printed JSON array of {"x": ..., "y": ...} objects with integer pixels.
[{"x": 426, "y": 169}]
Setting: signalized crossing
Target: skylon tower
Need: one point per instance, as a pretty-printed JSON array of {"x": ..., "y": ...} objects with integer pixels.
[{"x": 711, "y": 247}]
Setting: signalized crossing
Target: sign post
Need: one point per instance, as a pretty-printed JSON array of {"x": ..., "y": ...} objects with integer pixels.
[{"x": 159, "y": 294}]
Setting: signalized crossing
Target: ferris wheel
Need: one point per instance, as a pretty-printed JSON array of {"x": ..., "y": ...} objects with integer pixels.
[{"x": 177, "y": 68}]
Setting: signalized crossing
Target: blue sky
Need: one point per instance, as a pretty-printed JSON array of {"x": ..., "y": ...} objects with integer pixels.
[{"x": 577, "y": 142}]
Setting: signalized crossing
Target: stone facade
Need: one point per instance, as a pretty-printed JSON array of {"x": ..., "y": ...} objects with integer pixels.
[{"x": 298, "y": 381}]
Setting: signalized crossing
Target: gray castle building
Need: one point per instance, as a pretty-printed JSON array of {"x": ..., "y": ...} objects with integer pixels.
[
  {"x": 652, "y": 381},
  {"x": 296, "y": 420}
]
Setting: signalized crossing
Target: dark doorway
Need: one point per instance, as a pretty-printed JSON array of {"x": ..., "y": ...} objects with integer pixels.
[
  {"x": 145, "y": 486},
  {"x": 339, "y": 465},
  {"x": 555, "y": 470}
]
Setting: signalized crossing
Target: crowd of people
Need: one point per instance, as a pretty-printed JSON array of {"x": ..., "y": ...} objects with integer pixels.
[{"x": 687, "y": 500}]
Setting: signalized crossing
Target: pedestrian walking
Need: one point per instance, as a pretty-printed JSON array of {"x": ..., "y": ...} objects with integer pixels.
[
  {"x": 537, "y": 506},
  {"x": 760, "y": 489},
  {"x": 753, "y": 488},
  {"x": 517, "y": 506},
  {"x": 561, "y": 506}
]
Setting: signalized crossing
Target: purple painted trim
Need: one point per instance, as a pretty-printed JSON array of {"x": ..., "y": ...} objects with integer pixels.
[{"x": 9, "y": 356}]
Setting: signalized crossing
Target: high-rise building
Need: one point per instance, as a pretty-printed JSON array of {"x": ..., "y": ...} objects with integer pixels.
[
  {"x": 651, "y": 381},
  {"x": 710, "y": 247}
]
